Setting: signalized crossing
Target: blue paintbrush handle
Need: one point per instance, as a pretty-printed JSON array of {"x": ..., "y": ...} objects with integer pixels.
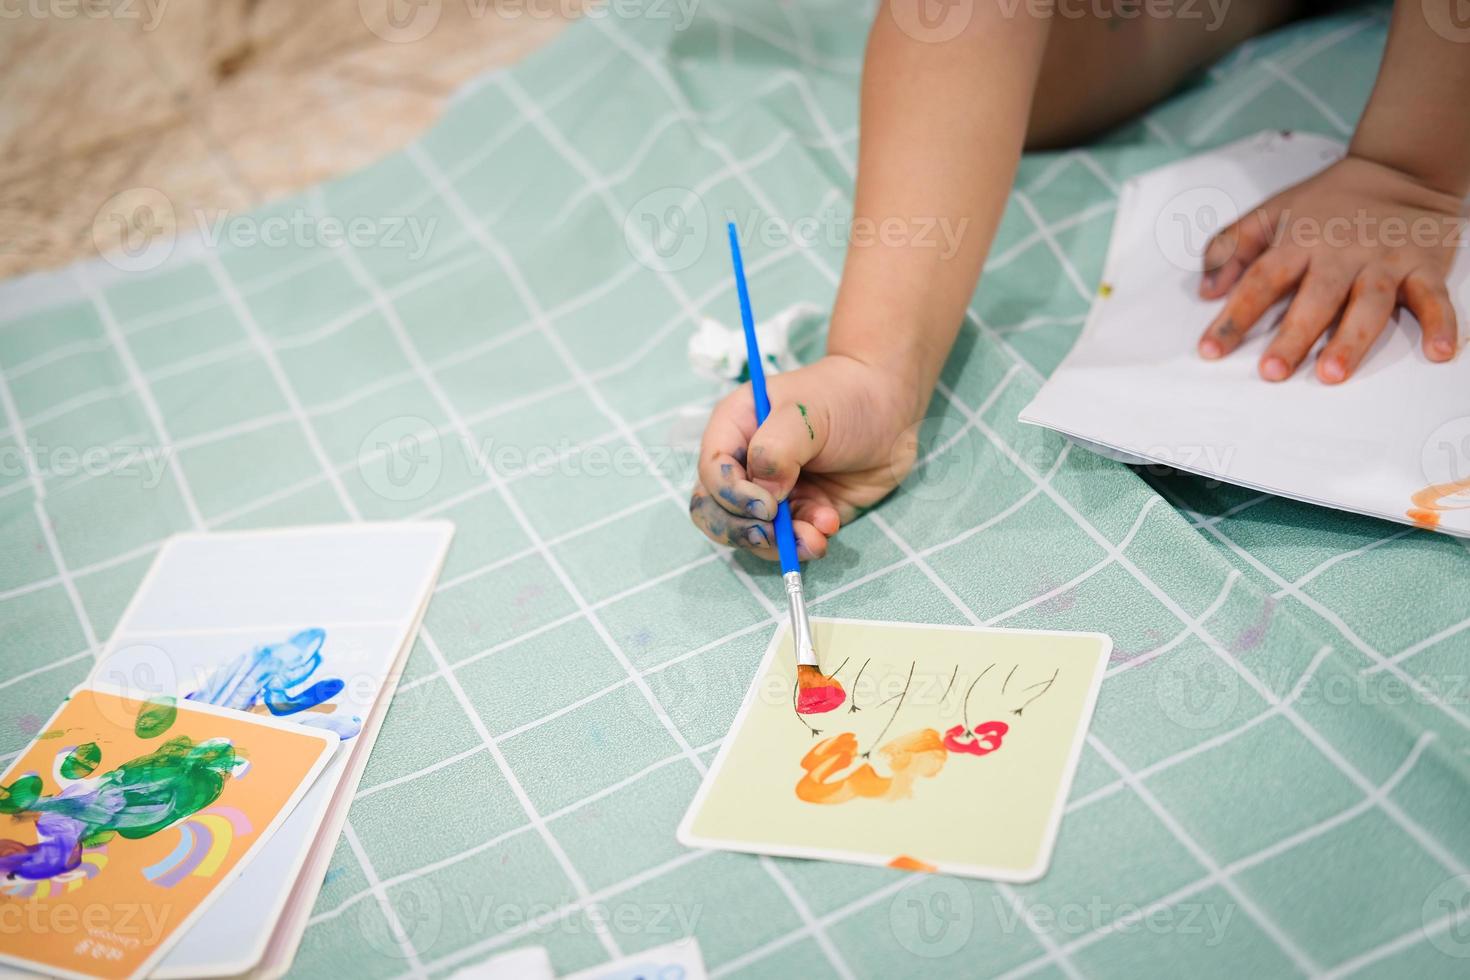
[{"x": 785, "y": 534}]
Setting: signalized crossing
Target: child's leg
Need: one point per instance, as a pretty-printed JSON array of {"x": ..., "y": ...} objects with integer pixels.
[{"x": 1100, "y": 68}]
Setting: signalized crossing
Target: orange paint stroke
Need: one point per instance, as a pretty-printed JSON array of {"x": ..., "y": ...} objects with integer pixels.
[
  {"x": 910, "y": 757},
  {"x": 905, "y": 863},
  {"x": 1430, "y": 502}
]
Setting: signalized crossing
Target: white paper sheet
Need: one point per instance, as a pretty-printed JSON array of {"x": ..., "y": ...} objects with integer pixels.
[{"x": 1134, "y": 382}]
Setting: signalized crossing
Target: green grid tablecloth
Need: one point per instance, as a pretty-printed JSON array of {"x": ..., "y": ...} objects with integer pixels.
[{"x": 1275, "y": 780}]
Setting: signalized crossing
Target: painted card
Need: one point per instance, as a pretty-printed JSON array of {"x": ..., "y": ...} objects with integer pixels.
[
  {"x": 127, "y": 816},
  {"x": 309, "y": 625},
  {"x": 928, "y": 748}
]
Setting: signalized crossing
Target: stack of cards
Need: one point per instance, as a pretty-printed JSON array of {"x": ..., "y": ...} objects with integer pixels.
[{"x": 176, "y": 816}]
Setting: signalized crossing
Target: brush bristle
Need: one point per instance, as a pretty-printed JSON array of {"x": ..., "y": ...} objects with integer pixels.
[{"x": 809, "y": 676}]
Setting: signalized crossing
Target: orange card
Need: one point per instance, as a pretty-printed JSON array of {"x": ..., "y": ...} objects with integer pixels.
[{"x": 124, "y": 817}]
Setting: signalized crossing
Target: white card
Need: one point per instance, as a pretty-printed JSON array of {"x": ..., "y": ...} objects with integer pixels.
[
  {"x": 1392, "y": 442},
  {"x": 309, "y": 624}
]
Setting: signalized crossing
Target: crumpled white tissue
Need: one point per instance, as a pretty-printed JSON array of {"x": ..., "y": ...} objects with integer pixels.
[{"x": 717, "y": 351}]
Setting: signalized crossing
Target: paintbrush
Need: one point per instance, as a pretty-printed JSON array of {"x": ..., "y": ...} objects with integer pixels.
[{"x": 809, "y": 676}]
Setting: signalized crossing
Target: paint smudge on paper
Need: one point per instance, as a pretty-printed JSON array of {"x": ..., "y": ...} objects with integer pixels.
[
  {"x": 906, "y": 863},
  {"x": 836, "y": 771},
  {"x": 155, "y": 717},
  {"x": 983, "y": 739},
  {"x": 916, "y": 755},
  {"x": 1430, "y": 503},
  {"x": 81, "y": 761},
  {"x": 137, "y": 799},
  {"x": 278, "y": 678}
]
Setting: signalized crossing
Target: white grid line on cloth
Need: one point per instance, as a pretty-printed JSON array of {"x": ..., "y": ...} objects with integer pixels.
[
  {"x": 1235, "y": 867},
  {"x": 1277, "y": 935},
  {"x": 540, "y": 923},
  {"x": 539, "y": 121},
  {"x": 400, "y": 334},
  {"x": 1071, "y": 271},
  {"x": 278, "y": 374},
  {"x": 451, "y": 197},
  {"x": 504, "y": 836},
  {"x": 1411, "y": 827},
  {"x": 1329, "y": 616},
  {"x": 1316, "y": 570},
  {"x": 1308, "y": 96},
  {"x": 672, "y": 91},
  {"x": 661, "y": 76},
  {"x": 1059, "y": 253},
  {"x": 53, "y": 547},
  {"x": 1131, "y": 779},
  {"x": 1198, "y": 520},
  {"x": 36, "y": 671},
  {"x": 385, "y": 905},
  {"x": 138, "y": 383},
  {"x": 1400, "y": 943},
  {"x": 1258, "y": 84},
  {"x": 576, "y": 302},
  {"x": 1131, "y": 917},
  {"x": 1138, "y": 660}
]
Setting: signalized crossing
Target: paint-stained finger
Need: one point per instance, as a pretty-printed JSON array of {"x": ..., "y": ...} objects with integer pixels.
[
  {"x": 749, "y": 534},
  {"x": 1372, "y": 302},
  {"x": 722, "y": 458},
  {"x": 1232, "y": 251},
  {"x": 792, "y": 435},
  {"x": 815, "y": 510},
  {"x": 1427, "y": 298},
  {"x": 1264, "y": 283},
  {"x": 1317, "y": 303}
]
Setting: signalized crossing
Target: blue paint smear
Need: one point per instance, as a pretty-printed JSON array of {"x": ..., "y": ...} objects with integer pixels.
[{"x": 279, "y": 676}]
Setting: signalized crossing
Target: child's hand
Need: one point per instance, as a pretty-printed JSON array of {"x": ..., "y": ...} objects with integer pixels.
[
  {"x": 1358, "y": 239},
  {"x": 839, "y": 438}
]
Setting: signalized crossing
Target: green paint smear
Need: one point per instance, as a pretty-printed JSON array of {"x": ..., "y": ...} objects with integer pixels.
[
  {"x": 810, "y": 434},
  {"x": 82, "y": 761},
  {"x": 179, "y": 779},
  {"x": 20, "y": 795},
  {"x": 53, "y": 733},
  {"x": 155, "y": 717}
]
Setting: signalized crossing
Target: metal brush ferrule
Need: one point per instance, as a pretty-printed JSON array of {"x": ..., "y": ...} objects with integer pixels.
[{"x": 801, "y": 626}]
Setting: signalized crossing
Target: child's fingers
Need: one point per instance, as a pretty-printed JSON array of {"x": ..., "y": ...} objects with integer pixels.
[
  {"x": 816, "y": 508},
  {"x": 1318, "y": 301},
  {"x": 1427, "y": 298},
  {"x": 1373, "y": 298},
  {"x": 1265, "y": 282},
  {"x": 792, "y": 435},
  {"x": 749, "y": 534},
  {"x": 1234, "y": 248},
  {"x": 722, "y": 458}
]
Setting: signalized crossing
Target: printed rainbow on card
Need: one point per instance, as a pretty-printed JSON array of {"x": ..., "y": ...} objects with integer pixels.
[{"x": 204, "y": 840}]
